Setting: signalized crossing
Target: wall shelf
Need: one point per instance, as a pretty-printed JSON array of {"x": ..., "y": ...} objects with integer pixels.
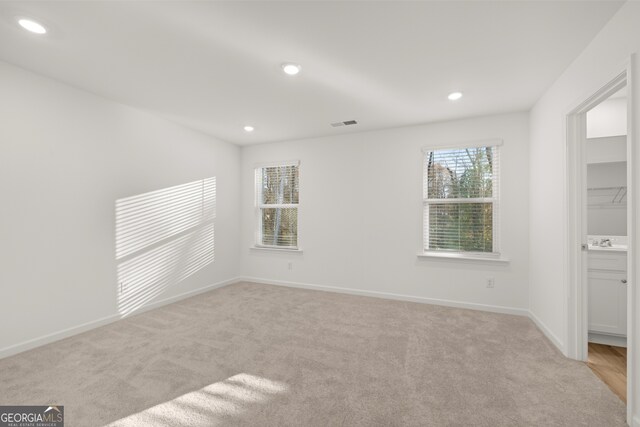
[{"x": 607, "y": 197}]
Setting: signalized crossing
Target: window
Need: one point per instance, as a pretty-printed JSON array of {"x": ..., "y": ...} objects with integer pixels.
[
  {"x": 460, "y": 199},
  {"x": 277, "y": 205}
]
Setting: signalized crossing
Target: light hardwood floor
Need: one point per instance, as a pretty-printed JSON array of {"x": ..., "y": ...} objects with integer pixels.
[{"x": 609, "y": 363}]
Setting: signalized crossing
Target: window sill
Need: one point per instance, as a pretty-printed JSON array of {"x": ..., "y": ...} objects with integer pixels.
[
  {"x": 275, "y": 249},
  {"x": 464, "y": 257}
]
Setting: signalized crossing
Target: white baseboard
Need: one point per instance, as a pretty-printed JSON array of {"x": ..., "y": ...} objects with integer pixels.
[
  {"x": 449, "y": 303},
  {"x": 65, "y": 333},
  {"x": 56, "y": 336},
  {"x": 387, "y": 295},
  {"x": 614, "y": 340},
  {"x": 547, "y": 332}
]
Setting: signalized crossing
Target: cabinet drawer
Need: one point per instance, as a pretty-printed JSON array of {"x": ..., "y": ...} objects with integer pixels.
[{"x": 608, "y": 261}]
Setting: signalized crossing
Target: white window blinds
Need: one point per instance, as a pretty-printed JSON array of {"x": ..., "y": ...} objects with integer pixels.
[
  {"x": 277, "y": 197},
  {"x": 460, "y": 199}
]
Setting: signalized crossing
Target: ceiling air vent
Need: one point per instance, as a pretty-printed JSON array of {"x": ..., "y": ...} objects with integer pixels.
[{"x": 345, "y": 123}]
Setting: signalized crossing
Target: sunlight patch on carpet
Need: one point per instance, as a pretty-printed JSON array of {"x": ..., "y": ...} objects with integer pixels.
[{"x": 211, "y": 405}]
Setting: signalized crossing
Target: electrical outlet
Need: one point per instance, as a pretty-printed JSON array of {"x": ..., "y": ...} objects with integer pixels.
[
  {"x": 491, "y": 282},
  {"x": 290, "y": 265}
]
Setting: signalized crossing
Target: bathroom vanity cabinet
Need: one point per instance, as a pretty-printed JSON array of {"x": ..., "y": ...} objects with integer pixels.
[{"x": 607, "y": 277}]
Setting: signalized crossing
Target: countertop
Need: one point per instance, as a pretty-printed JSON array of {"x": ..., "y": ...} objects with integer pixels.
[{"x": 614, "y": 248}]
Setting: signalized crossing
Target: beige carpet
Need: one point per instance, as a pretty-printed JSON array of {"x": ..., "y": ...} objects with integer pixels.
[{"x": 259, "y": 355}]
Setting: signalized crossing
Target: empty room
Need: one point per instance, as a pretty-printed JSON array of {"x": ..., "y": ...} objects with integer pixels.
[{"x": 319, "y": 213}]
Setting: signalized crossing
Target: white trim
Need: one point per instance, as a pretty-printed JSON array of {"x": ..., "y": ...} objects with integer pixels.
[
  {"x": 575, "y": 290},
  {"x": 275, "y": 249},
  {"x": 465, "y": 256},
  {"x": 461, "y": 145},
  {"x": 494, "y": 144},
  {"x": 278, "y": 205},
  {"x": 497, "y": 197},
  {"x": 547, "y": 332},
  {"x": 633, "y": 295},
  {"x": 276, "y": 163},
  {"x": 387, "y": 295},
  {"x": 614, "y": 340},
  {"x": 575, "y": 214},
  {"x": 461, "y": 200},
  {"x": 259, "y": 206},
  {"x": 75, "y": 330}
]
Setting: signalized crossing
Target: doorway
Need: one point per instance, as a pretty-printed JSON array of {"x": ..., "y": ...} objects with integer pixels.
[
  {"x": 607, "y": 240},
  {"x": 600, "y": 243}
]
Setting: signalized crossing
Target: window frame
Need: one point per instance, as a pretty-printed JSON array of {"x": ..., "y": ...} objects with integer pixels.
[
  {"x": 259, "y": 206},
  {"x": 495, "y": 254}
]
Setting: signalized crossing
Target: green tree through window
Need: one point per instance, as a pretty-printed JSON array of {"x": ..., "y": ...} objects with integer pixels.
[
  {"x": 460, "y": 198},
  {"x": 277, "y": 199}
]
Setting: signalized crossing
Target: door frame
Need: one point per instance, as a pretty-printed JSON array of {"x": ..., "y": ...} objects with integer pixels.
[{"x": 576, "y": 224}]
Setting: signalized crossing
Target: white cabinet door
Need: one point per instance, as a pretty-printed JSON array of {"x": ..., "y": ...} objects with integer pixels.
[{"x": 607, "y": 303}]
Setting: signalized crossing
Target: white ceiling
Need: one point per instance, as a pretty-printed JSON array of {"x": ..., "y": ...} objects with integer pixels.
[{"x": 215, "y": 66}]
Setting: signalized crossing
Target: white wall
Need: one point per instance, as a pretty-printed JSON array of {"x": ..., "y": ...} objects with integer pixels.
[
  {"x": 612, "y": 174},
  {"x": 609, "y": 118},
  {"x": 599, "y": 63},
  {"x": 360, "y": 220},
  {"x": 605, "y": 215},
  {"x": 65, "y": 157},
  {"x": 607, "y": 149}
]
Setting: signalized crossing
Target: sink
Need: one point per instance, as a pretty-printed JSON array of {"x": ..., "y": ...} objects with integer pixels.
[{"x": 615, "y": 243}]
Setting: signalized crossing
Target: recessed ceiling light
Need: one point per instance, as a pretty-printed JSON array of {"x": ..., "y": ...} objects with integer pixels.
[
  {"x": 291, "y": 69},
  {"x": 248, "y": 128},
  {"x": 32, "y": 26},
  {"x": 454, "y": 96}
]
